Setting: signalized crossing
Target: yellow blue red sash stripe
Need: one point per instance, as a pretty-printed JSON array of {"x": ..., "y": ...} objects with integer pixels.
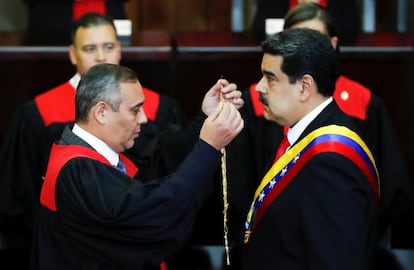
[{"x": 332, "y": 138}]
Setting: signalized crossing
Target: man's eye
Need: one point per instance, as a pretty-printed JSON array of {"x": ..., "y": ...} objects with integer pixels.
[
  {"x": 271, "y": 79},
  {"x": 109, "y": 47},
  {"x": 89, "y": 49}
]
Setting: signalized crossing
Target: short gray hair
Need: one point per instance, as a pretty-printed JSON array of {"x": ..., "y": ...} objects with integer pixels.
[{"x": 102, "y": 82}]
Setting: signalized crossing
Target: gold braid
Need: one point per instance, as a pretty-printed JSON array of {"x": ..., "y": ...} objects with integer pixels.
[{"x": 225, "y": 202}]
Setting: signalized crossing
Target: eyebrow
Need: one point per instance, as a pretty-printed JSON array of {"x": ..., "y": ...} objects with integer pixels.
[
  {"x": 109, "y": 43},
  {"x": 137, "y": 105},
  {"x": 269, "y": 73},
  {"x": 98, "y": 44}
]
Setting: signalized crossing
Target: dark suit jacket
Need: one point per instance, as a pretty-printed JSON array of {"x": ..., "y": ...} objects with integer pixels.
[
  {"x": 324, "y": 219},
  {"x": 249, "y": 154}
]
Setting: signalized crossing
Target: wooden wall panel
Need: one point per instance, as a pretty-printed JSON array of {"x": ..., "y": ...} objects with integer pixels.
[
  {"x": 155, "y": 14},
  {"x": 131, "y": 10},
  {"x": 215, "y": 15},
  {"x": 183, "y": 15}
]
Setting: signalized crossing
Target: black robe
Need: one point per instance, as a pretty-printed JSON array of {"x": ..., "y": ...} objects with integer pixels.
[
  {"x": 38, "y": 123},
  {"x": 96, "y": 217}
]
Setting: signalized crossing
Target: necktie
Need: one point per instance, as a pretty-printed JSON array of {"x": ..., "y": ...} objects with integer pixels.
[
  {"x": 121, "y": 166},
  {"x": 284, "y": 144}
]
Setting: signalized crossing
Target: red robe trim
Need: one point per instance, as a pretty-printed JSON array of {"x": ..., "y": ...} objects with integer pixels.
[
  {"x": 293, "y": 3},
  {"x": 57, "y": 105},
  {"x": 257, "y": 105},
  {"x": 79, "y": 8},
  {"x": 352, "y": 97},
  {"x": 59, "y": 156},
  {"x": 151, "y": 104}
]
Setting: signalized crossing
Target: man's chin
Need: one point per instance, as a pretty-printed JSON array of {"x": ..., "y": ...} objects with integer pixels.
[
  {"x": 267, "y": 116},
  {"x": 130, "y": 144}
]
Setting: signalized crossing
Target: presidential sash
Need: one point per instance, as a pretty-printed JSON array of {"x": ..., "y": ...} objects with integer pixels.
[{"x": 333, "y": 138}]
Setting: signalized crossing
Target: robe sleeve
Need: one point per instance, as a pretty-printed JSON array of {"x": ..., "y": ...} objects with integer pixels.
[{"x": 126, "y": 222}]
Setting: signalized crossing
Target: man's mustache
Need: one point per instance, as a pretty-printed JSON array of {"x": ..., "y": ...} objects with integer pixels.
[{"x": 263, "y": 100}]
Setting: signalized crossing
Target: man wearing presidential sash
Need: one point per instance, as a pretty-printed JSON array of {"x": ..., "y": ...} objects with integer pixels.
[{"x": 317, "y": 206}]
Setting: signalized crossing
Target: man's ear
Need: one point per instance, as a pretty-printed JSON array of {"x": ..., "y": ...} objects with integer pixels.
[
  {"x": 100, "y": 112},
  {"x": 72, "y": 55},
  {"x": 334, "y": 42},
  {"x": 307, "y": 83}
]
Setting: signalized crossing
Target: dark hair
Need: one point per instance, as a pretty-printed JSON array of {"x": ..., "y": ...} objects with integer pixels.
[
  {"x": 101, "y": 82},
  {"x": 305, "y": 51},
  {"x": 91, "y": 19},
  {"x": 310, "y": 11}
]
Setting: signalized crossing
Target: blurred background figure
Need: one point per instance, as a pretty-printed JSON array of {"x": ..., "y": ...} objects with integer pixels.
[
  {"x": 49, "y": 21},
  {"x": 345, "y": 13}
]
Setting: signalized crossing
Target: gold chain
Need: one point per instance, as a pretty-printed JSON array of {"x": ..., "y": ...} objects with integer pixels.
[{"x": 225, "y": 202}]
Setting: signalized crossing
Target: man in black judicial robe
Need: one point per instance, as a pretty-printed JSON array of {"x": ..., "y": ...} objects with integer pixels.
[
  {"x": 39, "y": 122},
  {"x": 92, "y": 215}
]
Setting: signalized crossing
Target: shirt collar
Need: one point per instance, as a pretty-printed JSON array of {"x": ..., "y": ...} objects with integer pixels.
[
  {"x": 74, "y": 81},
  {"x": 100, "y": 146},
  {"x": 294, "y": 133}
]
